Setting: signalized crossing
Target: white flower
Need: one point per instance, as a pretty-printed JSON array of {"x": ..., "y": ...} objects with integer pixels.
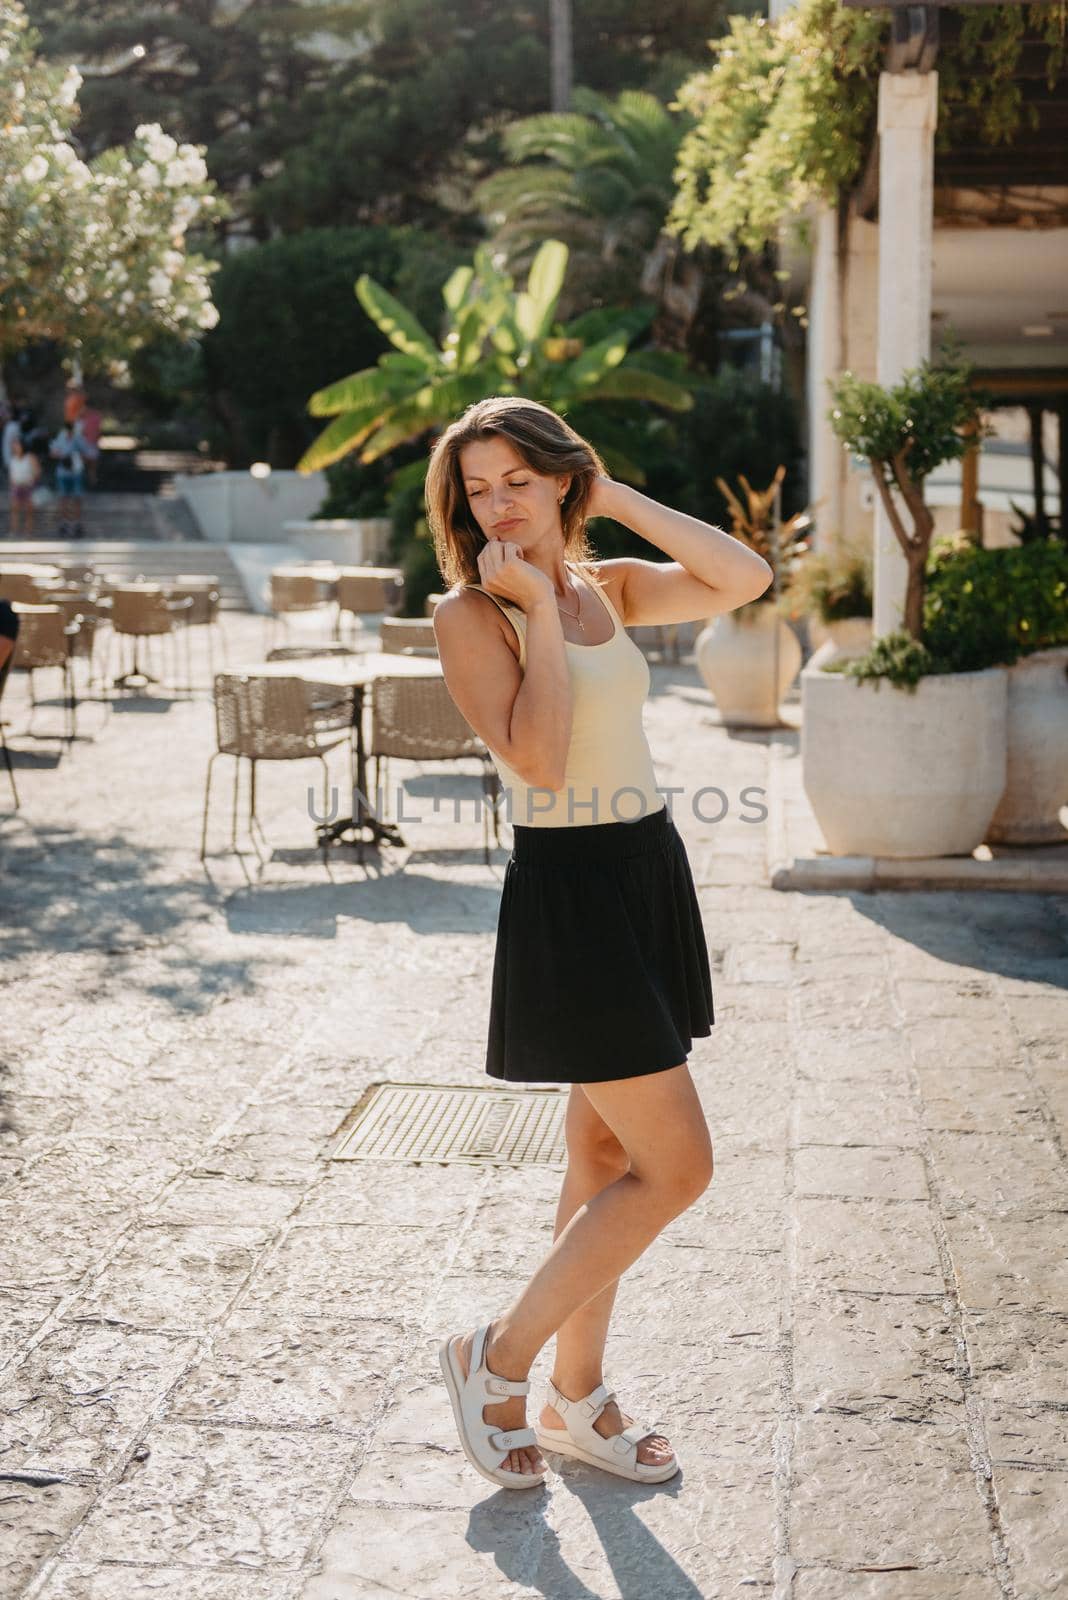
[
  {"x": 160, "y": 146},
  {"x": 208, "y": 315},
  {"x": 185, "y": 209},
  {"x": 68, "y": 89},
  {"x": 35, "y": 169},
  {"x": 64, "y": 156},
  {"x": 189, "y": 169},
  {"x": 148, "y": 173},
  {"x": 173, "y": 262},
  {"x": 159, "y": 285}
]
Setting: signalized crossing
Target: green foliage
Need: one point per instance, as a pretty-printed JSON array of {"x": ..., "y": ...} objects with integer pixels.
[
  {"x": 979, "y": 94},
  {"x": 497, "y": 341},
  {"x": 355, "y": 490},
  {"x": 913, "y": 427},
  {"x": 780, "y": 119},
  {"x": 786, "y": 113},
  {"x": 93, "y": 254},
  {"x": 287, "y": 323},
  {"x": 904, "y": 433},
  {"x": 599, "y": 177},
  {"x": 831, "y": 587},
  {"x": 393, "y": 124},
  {"x": 897, "y": 657},
  {"x": 985, "y": 607}
]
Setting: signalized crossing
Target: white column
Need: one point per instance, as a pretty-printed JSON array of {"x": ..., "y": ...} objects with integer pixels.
[
  {"x": 908, "y": 111},
  {"x": 825, "y": 453}
]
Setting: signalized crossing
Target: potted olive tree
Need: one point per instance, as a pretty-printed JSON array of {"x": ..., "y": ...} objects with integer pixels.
[
  {"x": 903, "y": 754},
  {"x": 749, "y": 657}
]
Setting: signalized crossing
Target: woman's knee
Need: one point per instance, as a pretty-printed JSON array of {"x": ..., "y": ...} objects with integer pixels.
[
  {"x": 681, "y": 1173},
  {"x": 590, "y": 1141}
]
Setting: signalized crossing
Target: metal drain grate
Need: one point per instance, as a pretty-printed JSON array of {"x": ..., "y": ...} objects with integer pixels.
[{"x": 482, "y": 1127}]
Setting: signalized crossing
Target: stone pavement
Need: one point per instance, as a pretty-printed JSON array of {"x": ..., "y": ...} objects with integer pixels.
[{"x": 217, "y": 1348}]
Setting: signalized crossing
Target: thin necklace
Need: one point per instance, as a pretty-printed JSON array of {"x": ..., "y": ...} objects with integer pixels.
[{"x": 576, "y": 618}]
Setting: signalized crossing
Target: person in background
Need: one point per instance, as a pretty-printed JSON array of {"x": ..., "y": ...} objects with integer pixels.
[
  {"x": 90, "y": 421},
  {"x": 68, "y": 452},
  {"x": 23, "y": 473},
  {"x": 12, "y": 431},
  {"x": 73, "y": 403}
]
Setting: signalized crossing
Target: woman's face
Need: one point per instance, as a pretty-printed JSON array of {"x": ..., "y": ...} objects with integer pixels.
[{"x": 508, "y": 499}]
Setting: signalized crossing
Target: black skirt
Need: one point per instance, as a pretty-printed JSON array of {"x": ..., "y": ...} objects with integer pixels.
[{"x": 600, "y": 969}]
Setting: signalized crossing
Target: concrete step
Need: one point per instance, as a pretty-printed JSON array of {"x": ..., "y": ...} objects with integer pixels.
[
  {"x": 162, "y": 516},
  {"x": 138, "y": 558}
]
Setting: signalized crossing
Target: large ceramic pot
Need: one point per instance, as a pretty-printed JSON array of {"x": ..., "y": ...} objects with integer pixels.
[
  {"x": 1036, "y": 784},
  {"x": 907, "y": 776},
  {"x": 748, "y": 659},
  {"x": 348, "y": 541},
  {"x": 850, "y": 636}
]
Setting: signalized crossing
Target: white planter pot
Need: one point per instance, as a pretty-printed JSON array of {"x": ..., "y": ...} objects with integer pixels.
[
  {"x": 1036, "y": 786},
  {"x": 748, "y": 659},
  {"x": 347, "y": 541},
  {"x": 850, "y": 636},
  {"x": 889, "y": 773}
]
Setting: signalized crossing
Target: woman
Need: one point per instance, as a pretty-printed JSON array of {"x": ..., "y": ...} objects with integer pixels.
[
  {"x": 23, "y": 473},
  {"x": 600, "y": 975}
]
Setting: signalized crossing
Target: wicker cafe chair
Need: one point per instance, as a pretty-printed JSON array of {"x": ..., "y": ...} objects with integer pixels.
[
  {"x": 332, "y": 707},
  {"x": 408, "y": 634},
  {"x": 44, "y": 640},
  {"x": 143, "y": 612},
  {"x": 361, "y": 594},
  {"x": 416, "y": 719},
  {"x": 263, "y": 719},
  {"x": 27, "y": 588},
  {"x": 202, "y": 612},
  {"x": 91, "y": 614},
  {"x": 296, "y": 592}
]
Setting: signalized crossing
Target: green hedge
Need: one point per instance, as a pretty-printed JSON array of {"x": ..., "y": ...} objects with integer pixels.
[
  {"x": 989, "y": 607},
  {"x": 983, "y": 608}
]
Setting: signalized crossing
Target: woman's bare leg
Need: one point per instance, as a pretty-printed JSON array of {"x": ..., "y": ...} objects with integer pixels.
[
  {"x": 595, "y": 1159},
  {"x": 658, "y": 1121}
]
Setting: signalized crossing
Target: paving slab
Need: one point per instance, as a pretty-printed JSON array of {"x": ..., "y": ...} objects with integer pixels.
[{"x": 218, "y": 1345}]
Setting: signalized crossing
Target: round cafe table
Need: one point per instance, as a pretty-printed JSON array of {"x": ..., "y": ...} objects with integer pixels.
[{"x": 356, "y": 673}]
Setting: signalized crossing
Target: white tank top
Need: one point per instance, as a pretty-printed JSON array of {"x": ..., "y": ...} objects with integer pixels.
[{"x": 609, "y": 775}]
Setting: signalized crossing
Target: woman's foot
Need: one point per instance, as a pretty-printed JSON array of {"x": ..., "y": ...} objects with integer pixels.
[
  {"x": 510, "y": 1413},
  {"x": 655, "y": 1451}
]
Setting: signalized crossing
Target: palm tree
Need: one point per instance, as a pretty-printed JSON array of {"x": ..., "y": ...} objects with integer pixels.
[
  {"x": 600, "y": 177},
  {"x": 497, "y": 341}
]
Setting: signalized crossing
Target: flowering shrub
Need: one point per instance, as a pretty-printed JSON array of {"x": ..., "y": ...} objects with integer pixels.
[{"x": 92, "y": 254}]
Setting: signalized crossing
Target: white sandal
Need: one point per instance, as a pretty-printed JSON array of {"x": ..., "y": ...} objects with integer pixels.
[
  {"x": 483, "y": 1444},
  {"x": 580, "y": 1439}
]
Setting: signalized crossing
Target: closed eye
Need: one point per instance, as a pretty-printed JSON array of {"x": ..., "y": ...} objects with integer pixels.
[{"x": 518, "y": 483}]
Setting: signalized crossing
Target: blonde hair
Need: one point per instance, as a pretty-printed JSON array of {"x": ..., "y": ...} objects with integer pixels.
[{"x": 545, "y": 442}]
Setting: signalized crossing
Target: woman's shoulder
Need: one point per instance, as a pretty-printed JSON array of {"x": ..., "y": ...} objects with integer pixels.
[{"x": 458, "y": 608}]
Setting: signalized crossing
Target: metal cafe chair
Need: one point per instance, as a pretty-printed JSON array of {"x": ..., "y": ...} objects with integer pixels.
[
  {"x": 416, "y": 719},
  {"x": 408, "y": 634},
  {"x": 142, "y": 612},
  {"x": 361, "y": 594},
  {"x": 44, "y": 640},
  {"x": 264, "y": 719}
]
